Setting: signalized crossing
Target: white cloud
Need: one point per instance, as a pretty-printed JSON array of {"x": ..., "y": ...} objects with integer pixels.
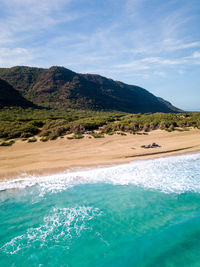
[
  {"x": 163, "y": 61},
  {"x": 25, "y": 19},
  {"x": 188, "y": 45},
  {"x": 173, "y": 44},
  {"x": 4, "y": 52},
  {"x": 130, "y": 43},
  {"x": 11, "y": 57},
  {"x": 135, "y": 65},
  {"x": 196, "y": 54}
]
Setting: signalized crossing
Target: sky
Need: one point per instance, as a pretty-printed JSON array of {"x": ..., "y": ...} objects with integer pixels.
[{"x": 154, "y": 44}]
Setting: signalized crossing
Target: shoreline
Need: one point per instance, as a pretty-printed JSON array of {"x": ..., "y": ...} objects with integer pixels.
[
  {"x": 54, "y": 157},
  {"x": 60, "y": 170}
]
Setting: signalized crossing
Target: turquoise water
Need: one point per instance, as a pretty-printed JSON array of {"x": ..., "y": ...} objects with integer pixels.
[{"x": 144, "y": 213}]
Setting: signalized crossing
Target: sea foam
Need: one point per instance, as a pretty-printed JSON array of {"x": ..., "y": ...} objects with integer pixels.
[
  {"x": 61, "y": 225},
  {"x": 175, "y": 174}
]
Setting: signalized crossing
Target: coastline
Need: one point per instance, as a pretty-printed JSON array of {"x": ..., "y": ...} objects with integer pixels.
[{"x": 60, "y": 155}]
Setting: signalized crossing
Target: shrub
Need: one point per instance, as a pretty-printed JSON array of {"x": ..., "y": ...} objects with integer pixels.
[
  {"x": 53, "y": 137},
  {"x": 14, "y": 133},
  {"x": 59, "y": 131},
  {"x": 6, "y": 139},
  {"x": 10, "y": 143},
  {"x": 45, "y": 133},
  {"x": 146, "y": 127},
  {"x": 37, "y": 123},
  {"x": 26, "y": 135},
  {"x": 182, "y": 130},
  {"x": 32, "y": 140},
  {"x": 171, "y": 127},
  {"x": 75, "y": 136},
  {"x": 185, "y": 129},
  {"x": 98, "y": 135},
  {"x": 78, "y": 136},
  {"x": 29, "y": 128},
  {"x": 169, "y": 130},
  {"x": 44, "y": 139}
]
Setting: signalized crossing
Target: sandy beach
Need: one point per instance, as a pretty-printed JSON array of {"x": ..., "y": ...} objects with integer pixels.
[{"x": 62, "y": 154}]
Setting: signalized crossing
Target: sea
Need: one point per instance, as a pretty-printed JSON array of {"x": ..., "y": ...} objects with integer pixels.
[{"x": 144, "y": 213}]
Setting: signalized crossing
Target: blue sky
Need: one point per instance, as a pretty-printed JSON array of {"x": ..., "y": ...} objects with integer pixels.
[{"x": 151, "y": 43}]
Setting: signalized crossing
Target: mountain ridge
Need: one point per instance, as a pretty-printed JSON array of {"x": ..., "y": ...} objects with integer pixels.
[{"x": 60, "y": 86}]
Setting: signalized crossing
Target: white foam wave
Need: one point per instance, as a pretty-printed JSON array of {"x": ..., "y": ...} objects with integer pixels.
[
  {"x": 61, "y": 225},
  {"x": 170, "y": 175}
]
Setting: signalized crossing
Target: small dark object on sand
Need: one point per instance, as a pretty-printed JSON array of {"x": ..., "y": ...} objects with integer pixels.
[
  {"x": 150, "y": 146},
  {"x": 154, "y": 145}
]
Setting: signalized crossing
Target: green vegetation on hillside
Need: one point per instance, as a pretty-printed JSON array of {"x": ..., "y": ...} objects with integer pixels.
[
  {"x": 147, "y": 122},
  {"x": 58, "y": 86},
  {"x": 24, "y": 123},
  {"x": 51, "y": 124},
  {"x": 9, "y": 96}
]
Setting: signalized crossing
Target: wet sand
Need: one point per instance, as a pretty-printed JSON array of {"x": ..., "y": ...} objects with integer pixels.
[{"x": 61, "y": 154}]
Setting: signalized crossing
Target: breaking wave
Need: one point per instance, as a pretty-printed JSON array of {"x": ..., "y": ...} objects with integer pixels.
[{"x": 175, "y": 174}]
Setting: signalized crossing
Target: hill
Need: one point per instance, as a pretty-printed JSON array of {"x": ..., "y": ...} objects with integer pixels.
[
  {"x": 58, "y": 86},
  {"x": 11, "y": 97}
]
